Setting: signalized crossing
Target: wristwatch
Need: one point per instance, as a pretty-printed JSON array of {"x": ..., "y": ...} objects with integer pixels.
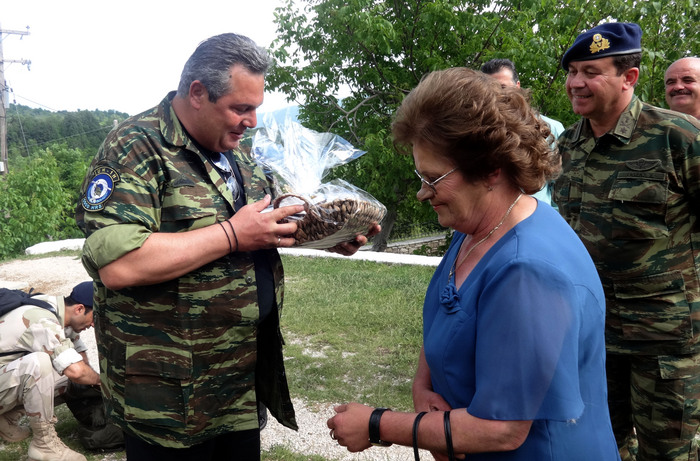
[{"x": 374, "y": 428}]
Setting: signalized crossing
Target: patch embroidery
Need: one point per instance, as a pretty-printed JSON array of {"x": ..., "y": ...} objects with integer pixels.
[
  {"x": 100, "y": 188},
  {"x": 599, "y": 44},
  {"x": 642, "y": 164}
]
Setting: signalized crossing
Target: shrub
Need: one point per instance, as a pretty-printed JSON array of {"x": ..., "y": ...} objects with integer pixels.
[{"x": 34, "y": 207}]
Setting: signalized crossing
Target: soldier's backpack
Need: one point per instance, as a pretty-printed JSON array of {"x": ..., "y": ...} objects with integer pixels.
[{"x": 12, "y": 299}]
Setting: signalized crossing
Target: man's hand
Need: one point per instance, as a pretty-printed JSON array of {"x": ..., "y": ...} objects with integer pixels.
[
  {"x": 82, "y": 373},
  {"x": 256, "y": 230}
]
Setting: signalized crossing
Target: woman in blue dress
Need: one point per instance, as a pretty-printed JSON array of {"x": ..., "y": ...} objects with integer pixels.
[{"x": 513, "y": 359}]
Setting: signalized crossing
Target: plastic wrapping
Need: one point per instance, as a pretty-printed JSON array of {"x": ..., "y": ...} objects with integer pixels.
[{"x": 298, "y": 160}]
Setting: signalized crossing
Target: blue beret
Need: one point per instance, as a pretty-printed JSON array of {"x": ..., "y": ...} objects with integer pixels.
[
  {"x": 610, "y": 39},
  {"x": 82, "y": 294}
]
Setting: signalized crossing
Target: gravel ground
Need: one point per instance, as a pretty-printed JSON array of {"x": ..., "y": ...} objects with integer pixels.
[{"x": 58, "y": 275}]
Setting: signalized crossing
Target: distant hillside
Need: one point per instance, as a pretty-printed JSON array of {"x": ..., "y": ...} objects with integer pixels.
[{"x": 30, "y": 130}]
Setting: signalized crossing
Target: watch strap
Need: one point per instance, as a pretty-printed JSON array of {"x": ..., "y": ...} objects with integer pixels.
[{"x": 374, "y": 419}]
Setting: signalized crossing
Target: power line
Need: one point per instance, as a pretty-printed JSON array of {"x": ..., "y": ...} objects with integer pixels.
[
  {"x": 3, "y": 89},
  {"x": 36, "y": 144},
  {"x": 21, "y": 129},
  {"x": 15, "y": 96}
]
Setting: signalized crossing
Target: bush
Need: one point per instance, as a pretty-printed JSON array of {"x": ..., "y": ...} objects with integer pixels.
[{"x": 34, "y": 206}]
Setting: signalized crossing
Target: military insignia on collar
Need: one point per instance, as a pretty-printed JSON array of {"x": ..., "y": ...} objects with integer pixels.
[
  {"x": 599, "y": 44},
  {"x": 100, "y": 188}
]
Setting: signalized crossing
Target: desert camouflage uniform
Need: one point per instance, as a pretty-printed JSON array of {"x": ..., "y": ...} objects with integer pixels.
[
  {"x": 34, "y": 350},
  {"x": 633, "y": 197},
  {"x": 179, "y": 358}
]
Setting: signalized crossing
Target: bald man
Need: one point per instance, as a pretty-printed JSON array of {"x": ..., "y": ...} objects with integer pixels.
[{"x": 682, "y": 80}]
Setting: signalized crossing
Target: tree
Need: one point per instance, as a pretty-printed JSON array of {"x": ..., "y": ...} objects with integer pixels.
[
  {"x": 376, "y": 51},
  {"x": 33, "y": 206}
]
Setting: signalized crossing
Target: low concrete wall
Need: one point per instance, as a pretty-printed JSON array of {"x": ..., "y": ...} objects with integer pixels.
[
  {"x": 404, "y": 247},
  {"x": 408, "y": 247}
]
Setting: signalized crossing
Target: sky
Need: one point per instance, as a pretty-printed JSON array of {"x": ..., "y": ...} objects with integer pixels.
[{"x": 123, "y": 55}]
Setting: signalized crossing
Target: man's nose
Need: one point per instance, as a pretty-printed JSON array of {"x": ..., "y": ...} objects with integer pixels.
[{"x": 251, "y": 120}]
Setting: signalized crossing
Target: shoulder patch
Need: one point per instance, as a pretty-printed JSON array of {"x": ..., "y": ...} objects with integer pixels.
[{"x": 100, "y": 188}]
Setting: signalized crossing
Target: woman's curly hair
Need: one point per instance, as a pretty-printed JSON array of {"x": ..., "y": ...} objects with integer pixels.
[{"x": 467, "y": 117}]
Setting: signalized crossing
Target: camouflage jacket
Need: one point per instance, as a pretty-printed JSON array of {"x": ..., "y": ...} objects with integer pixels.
[
  {"x": 185, "y": 360},
  {"x": 29, "y": 328},
  {"x": 633, "y": 197}
]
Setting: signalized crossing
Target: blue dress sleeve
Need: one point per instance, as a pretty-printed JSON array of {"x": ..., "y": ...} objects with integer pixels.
[{"x": 528, "y": 323}]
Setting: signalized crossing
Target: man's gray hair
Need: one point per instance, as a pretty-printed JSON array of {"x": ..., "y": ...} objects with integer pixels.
[{"x": 212, "y": 60}]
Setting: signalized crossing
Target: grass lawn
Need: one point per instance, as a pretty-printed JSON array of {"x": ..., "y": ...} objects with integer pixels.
[{"x": 352, "y": 331}]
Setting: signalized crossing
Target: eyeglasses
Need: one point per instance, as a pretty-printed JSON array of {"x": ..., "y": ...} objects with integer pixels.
[{"x": 432, "y": 184}]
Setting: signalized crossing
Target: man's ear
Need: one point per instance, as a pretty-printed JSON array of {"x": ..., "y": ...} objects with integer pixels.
[
  {"x": 198, "y": 94},
  {"x": 631, "y": 76}
]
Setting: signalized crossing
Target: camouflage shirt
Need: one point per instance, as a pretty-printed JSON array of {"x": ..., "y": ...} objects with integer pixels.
[
  {"x": 180, "y": 360},
  {"x": 633, "y": 197}
]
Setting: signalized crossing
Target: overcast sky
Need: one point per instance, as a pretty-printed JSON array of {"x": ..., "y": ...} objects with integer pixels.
[{"x": 123, "y": 55}]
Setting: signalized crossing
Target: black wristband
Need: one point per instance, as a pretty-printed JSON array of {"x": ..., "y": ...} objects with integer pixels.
[
  {"x": 235, "y": 237},
  {"x": 374, "y": 419},
  {"x": 448, "y": 437},
  {"x": 416, "y": 421},
  {"x": 230, "y": 247}
]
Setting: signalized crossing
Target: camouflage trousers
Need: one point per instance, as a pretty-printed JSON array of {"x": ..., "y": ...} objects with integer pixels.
[
  {"x": 31, "y": 382},
  {"x": 654, "y": 405}
]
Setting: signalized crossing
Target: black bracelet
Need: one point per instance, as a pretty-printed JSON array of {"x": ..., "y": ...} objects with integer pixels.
[
  {"x": 415, "y": 434},
  {"x": 374, "y": 437},
  {"x": 234, "y": 233},
  {"x": 230, "y": 248},
  {"x": 448, "y": 437}
]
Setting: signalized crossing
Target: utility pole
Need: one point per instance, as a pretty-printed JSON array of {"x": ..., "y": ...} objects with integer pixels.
[{"x": 4, "y": 97}]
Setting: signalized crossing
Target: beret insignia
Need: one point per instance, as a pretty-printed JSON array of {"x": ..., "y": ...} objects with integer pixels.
[{"x": 599, "y": 43}]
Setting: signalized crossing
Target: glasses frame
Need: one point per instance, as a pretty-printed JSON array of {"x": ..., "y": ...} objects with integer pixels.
[{"x": 431, "y": 184}]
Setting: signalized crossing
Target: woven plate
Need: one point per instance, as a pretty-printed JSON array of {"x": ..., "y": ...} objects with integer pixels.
[{"x": 327, "y": 223}]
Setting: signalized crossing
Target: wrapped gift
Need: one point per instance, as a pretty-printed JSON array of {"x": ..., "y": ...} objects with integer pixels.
[{"x": 298, "y": 160}]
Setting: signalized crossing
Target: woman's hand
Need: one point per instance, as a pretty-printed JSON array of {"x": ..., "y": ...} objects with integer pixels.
[
  {"x": 351, "y": 247},
  {"x": 424, "y": 398},
  {"x": 350, "y": 426},
  {"x": 429, "y": 400}
]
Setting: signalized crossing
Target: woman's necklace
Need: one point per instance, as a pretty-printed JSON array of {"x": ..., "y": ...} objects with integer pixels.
[{"x": 457, "y": 264}]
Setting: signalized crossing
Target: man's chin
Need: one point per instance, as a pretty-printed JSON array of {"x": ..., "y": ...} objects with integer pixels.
[
  {"x": 580, "y": 111},
  {"x": 229, "y": 146}
]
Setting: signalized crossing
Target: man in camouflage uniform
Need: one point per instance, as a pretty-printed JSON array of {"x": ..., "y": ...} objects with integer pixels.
[
  {"x": 40, "y": 352},
  {"x": 630, "y": 188},
  {"x": 188, "y": 279}
]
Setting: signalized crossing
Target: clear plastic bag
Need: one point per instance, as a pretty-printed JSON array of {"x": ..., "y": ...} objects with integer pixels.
[{"x": 298, "y": 159}]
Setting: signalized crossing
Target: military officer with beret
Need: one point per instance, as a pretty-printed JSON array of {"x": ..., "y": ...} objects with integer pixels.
[
  {"x": 630, "y": 188},
  {"x": 189, "y": 283}
]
